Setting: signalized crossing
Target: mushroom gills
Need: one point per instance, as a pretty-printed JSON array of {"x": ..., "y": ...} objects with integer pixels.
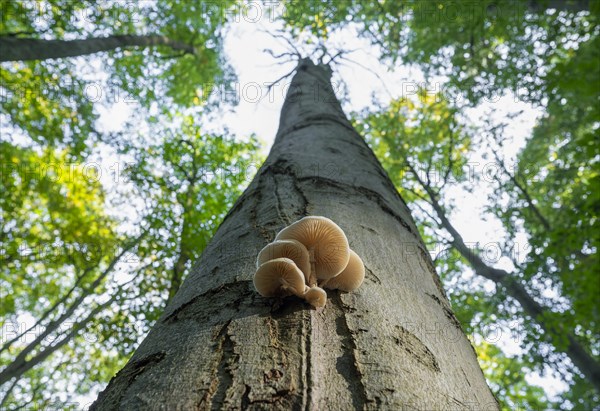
[
  {"x": 279, "y": 277},
  {"x": 326, "y": 243},
  {"x": 292, "y": 249},
  {"x": 350, "y": 278}
]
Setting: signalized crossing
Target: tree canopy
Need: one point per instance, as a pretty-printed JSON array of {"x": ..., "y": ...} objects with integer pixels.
[{"x": 100, "y": 224}]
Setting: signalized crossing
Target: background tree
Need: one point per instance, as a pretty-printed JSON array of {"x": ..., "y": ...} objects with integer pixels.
[
  {"x": 52, "y": 101},
  {"x": 98, "y": 289},
  {"x": 61, "y": 222}
]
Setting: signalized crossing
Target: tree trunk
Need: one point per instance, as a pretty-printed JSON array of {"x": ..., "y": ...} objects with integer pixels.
[
  {"x": 392, "y": 344},
  {"x": 16, "y": 48}
]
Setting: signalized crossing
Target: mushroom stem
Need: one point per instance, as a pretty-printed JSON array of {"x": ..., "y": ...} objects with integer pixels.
[
  {"x": 287, "y": 287},
  {"x": 312, "y": 277}
]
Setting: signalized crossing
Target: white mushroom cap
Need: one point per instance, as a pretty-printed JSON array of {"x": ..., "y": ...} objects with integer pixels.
[
  {"x": 349, "y": 279},
  {"x": 325, "y": 239},
  {"x": 291, "y": 249},
  {"x": 316, "y": 296},
  {"x": 279, "y": 277}
]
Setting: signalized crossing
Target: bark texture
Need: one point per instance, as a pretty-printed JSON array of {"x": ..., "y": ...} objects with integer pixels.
[
  {"x": 16, "y": 48},
  {"x": 393, "y": 344}
]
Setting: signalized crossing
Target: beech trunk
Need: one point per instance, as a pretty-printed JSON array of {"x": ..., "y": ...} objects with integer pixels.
[{"x": 392, "y": 344}]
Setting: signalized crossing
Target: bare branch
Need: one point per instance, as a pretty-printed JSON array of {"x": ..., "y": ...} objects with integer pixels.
[
  {"x": 270, "y": 86},
  {"x": 370, "y": 71},
  {"x": 281, "y": 36}
]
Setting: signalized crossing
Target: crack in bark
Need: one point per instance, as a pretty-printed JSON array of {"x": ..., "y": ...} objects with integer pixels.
[
  {"x": 305, "y": 201},
  {"x": 246, "y": 397},
  {"x": 189, "y": 311},
  {"x": 347, "y": 364},
  {"x": 371, "y": 275},
  {"x": 254, "y": 211},
  {"x": 307, "y": 329},
  {"x": 246, "y": 401},
  {"x": 283, "y": 167},
  {"x": 283, "y": 217},
  {"x": 367, "y": 193},
  {"x": 273, "y": 328},
  {"x": 369, "y": 229},
  {"x": 447, "y": 311},
  {"x": 224, "y": 373},
  {"x": 415, "y": 347},
  {"x": 111, "y": 396},
  {"x": 465, "y": 375}
]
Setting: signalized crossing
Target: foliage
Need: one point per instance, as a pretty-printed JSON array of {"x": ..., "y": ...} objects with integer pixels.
[
  {"x": 479, "y": 51},
  {"x": 55, "y": 102},
  {"x": 57, "y": 244},
  {"x": 483, "y": 48},
  {"x": 507, "y": 380},
  {"x": 96, "y": 279},
  {"x": 53, "y": 224},
  {"x": 188, "y": 180}
]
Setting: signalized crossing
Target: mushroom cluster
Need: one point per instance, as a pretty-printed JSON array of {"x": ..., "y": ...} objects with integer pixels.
[{"x": 307, "y": 256}]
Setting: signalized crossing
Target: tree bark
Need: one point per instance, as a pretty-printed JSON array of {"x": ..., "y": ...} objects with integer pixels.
[
  {"x": 392, "y": 344},
  {"x": 16, "y": 48}
]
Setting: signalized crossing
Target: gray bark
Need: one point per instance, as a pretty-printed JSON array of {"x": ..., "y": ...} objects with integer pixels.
[
  {"x": 16, "y": 48},
  {"x": 392, "y": 344}
]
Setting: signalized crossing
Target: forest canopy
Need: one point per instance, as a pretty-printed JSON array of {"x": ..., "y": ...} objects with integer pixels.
[{"x": 125, "y": 140}]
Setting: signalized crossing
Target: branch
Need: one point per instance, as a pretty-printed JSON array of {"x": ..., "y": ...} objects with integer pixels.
[
  {"x": 47, "y": 312},
  {"x": 441, "y": 253},
  {"x": 19, "y": 369},
  {"x": 296, "y": 53},
  {"x": 8, "y": 392},
  {"x": 35, "y": 390},
  {"x": 280, "y": 55},
  {"x": 270, "y": 86},
  {"x": 450, "y": 158},
  {"x": 370, "y": 71},
  {"x": 26, "y": 49},
  {"x": 523, "y": 191},
  {"x": 586, "y": 363},
  {"x": 55, "y": 324}
]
